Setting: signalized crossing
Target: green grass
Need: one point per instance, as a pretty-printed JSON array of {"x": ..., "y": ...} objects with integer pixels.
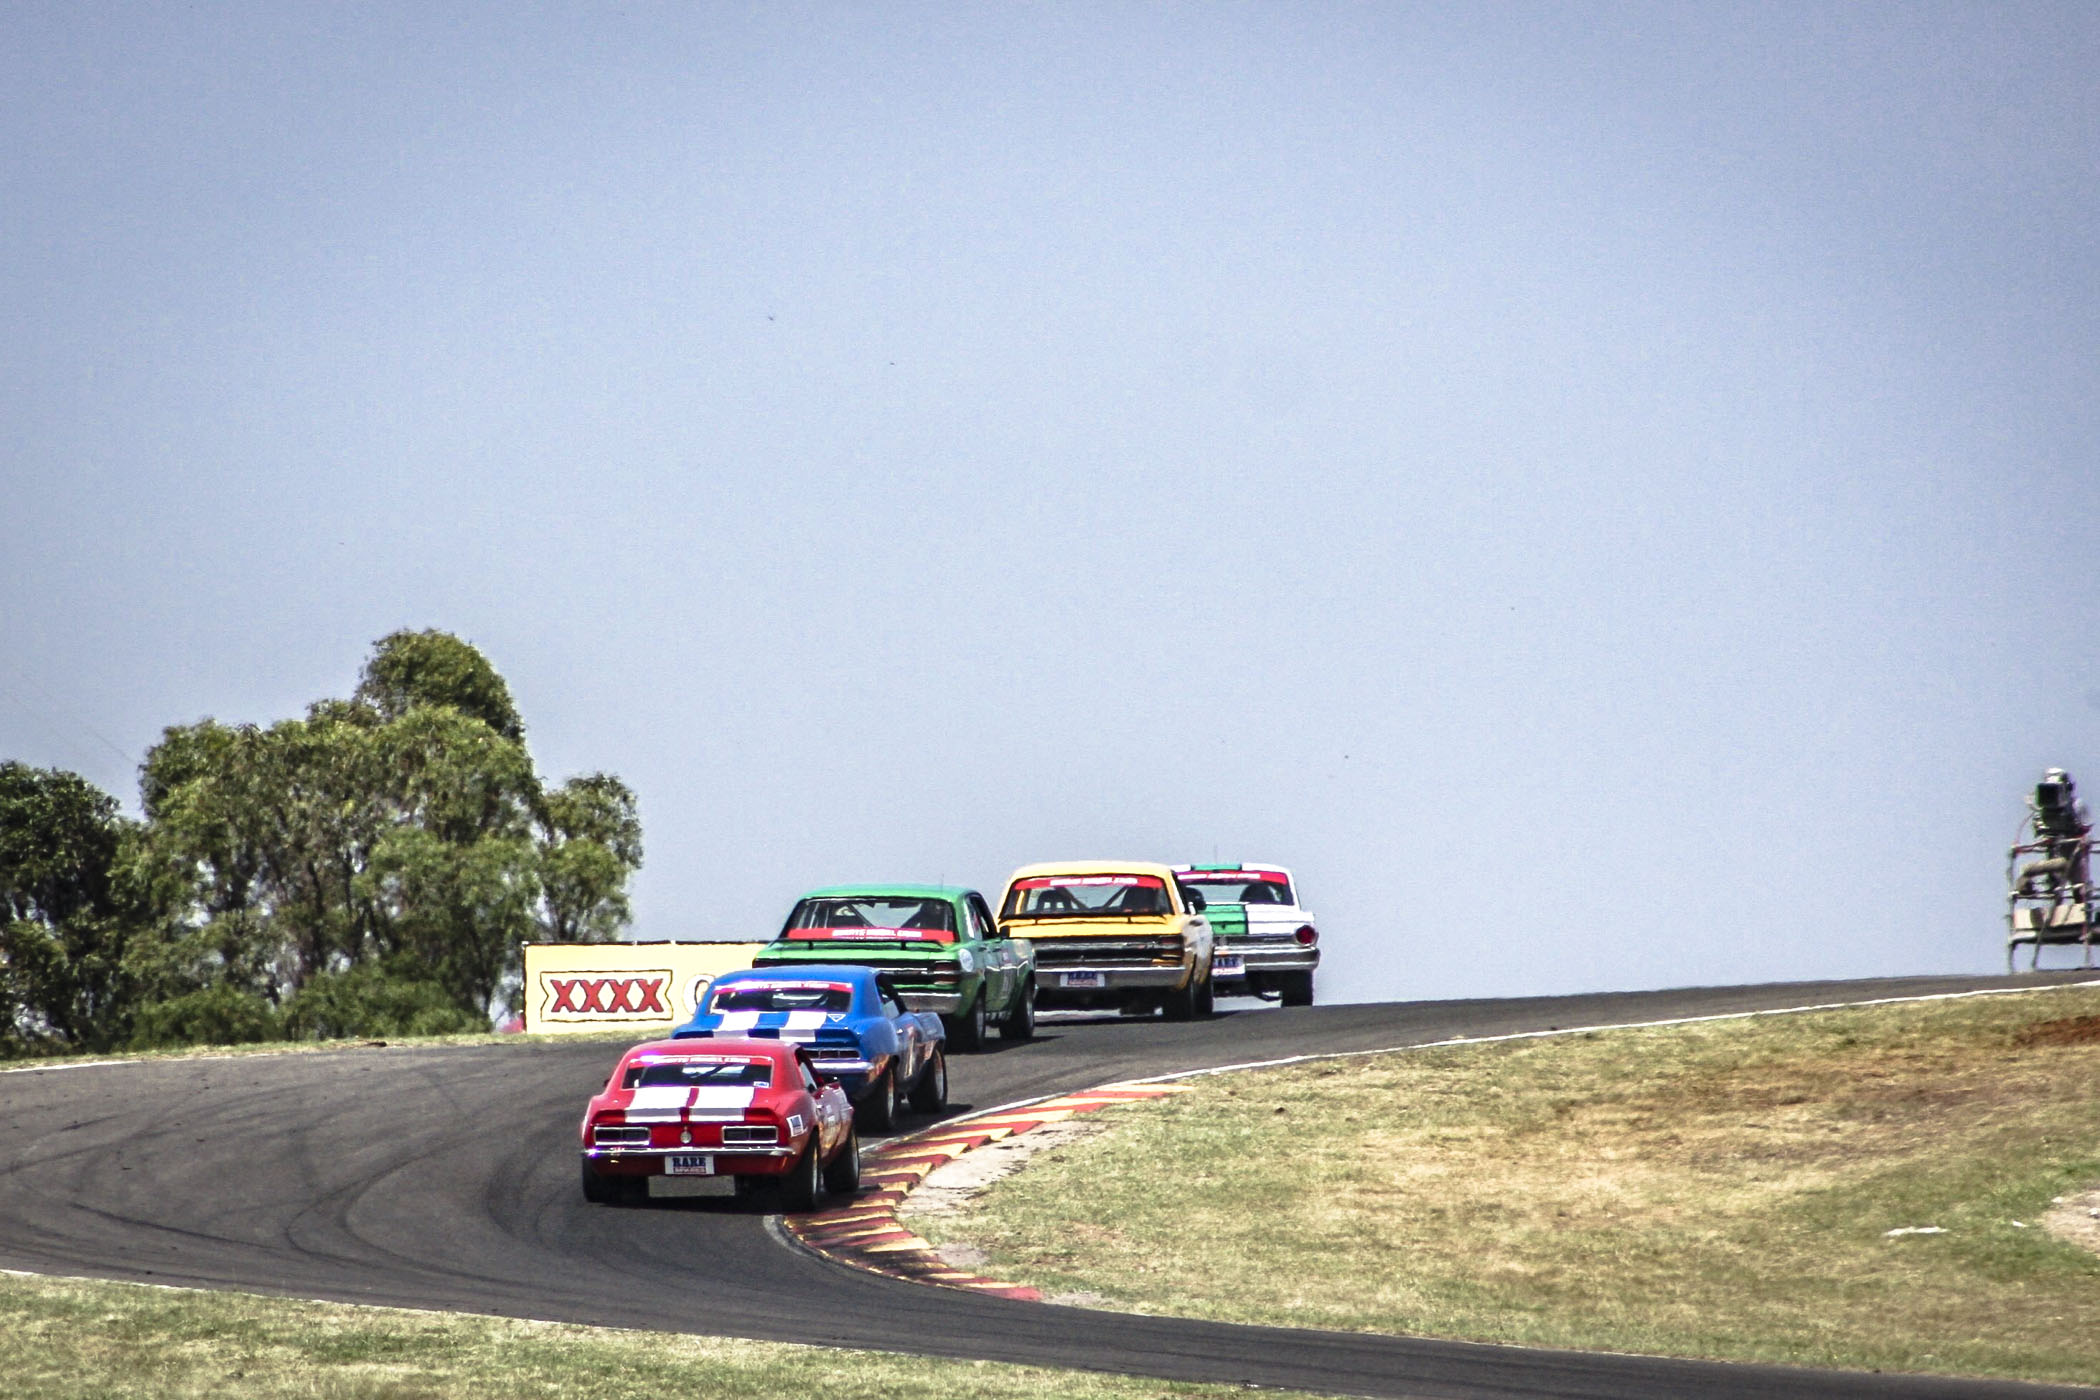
[
  {"x": 71, "y": 1339},
  {"x": 1718, "y": 1190}
]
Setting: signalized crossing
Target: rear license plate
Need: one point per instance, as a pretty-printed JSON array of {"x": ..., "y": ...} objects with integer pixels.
[
  {"x": 1226, "y": 965},
  {"x": 1081, "y": 979},
  {"x": 689, "y": 1164}
]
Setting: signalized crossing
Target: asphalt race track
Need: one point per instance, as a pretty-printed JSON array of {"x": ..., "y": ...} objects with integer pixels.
[{"x": 446, "y": 1178}]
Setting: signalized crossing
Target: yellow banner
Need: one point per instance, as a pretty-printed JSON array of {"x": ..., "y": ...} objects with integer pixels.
[{"x": 606, "y": 986}]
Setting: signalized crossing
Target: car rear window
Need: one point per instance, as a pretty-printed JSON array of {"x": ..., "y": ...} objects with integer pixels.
[
  {"x": 1239, "y": 886},
  {"x": 1085, "y": 896},
  {"x": 780, "y": 996},
  {"x": 876, "y": 920},
  {"x": 690, "y": 1074}
]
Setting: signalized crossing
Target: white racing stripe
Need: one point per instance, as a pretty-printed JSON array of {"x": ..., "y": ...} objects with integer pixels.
[
  {"x": 806, "y": 1020},
  {"x": 667, "y": 1103},
  {"x": 738, "y": 1022}
]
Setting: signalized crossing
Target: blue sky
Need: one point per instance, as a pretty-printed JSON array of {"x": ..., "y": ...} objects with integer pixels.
[{"x": 1606, "y": 493}]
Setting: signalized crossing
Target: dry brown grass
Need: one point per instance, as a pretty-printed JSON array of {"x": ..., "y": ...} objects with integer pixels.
[
  {"x": 73, "y": 1339},
  {"x": 617, "y": 1035},
  {"x": 1714, "y": 1190}
]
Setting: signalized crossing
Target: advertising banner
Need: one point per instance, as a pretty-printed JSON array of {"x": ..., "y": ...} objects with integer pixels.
[{"x": 608, "y": 986}]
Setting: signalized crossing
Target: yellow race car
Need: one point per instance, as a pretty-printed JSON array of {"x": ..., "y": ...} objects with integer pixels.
[{"x": 1121, "y": 933}]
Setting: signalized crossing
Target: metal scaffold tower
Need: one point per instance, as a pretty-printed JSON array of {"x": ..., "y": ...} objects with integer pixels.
[{"x": 2048, "y": 872}]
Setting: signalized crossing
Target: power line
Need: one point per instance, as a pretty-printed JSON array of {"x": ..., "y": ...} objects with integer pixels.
[{"x": 61, "y": 724}]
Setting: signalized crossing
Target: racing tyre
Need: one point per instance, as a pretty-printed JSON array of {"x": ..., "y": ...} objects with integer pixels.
[
  {"x": 1295, "y": 988},
  {"x": 596, "y": 1189},
  {"x": 1206, "y": 998},
  {"x": 842, "y": 1177},
  {"x": 1181, "y": 1002},
  {"x": 804, "y": 1186},
  {"x": 1020, "y": 1022},
  {"x": 930, "y": 1094},
  {"x": 966, "y": 1032},
  {"x": 879, "y": 1109},
  {"x": 605, "y": 1189}
]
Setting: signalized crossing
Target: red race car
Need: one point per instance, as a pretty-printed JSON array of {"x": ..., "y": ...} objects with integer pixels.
[{"x": 753, "y": 1110}]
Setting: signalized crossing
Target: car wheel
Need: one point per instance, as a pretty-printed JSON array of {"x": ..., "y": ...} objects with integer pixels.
[
  {"x": 1020, "y": 1022},
  {"x": 1296, "y": 988},
  {"x": 842, "y": 1177},
  {"x": 966, "y": 1032},
  {"x": 804, "y": 1186},
  {"x": 930, "y": 1094},
  {"x": 879, "y": 1109},
  {"x": 1207, "y": 998},
  {"x": 1181, "y": 1002},
  {"x": 598, "y": 1188}
]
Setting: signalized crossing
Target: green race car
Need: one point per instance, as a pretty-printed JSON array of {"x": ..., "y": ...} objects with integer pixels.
[{"x": 938, "y": 944}]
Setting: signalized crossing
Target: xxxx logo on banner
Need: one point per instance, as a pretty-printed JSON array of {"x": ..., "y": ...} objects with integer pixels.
[
  {"x": 622, "y": 996},
  {"x": 581, "y": 987}
]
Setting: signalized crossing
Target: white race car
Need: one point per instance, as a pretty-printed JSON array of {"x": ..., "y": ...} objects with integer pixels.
[{"x": 1266, "y": 945}]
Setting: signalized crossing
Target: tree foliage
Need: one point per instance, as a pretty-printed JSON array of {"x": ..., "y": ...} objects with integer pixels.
[
  {"x": 409, "y": 670},
  {"x": 370, "y": 868},
  {"x": 66, "y": 914}
]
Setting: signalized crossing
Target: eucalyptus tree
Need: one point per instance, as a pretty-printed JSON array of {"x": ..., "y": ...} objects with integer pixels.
[
  {"x": 402, "y": 835},
  {"x": 67, "y": 911},
  {"x": 590, "y": 842}
]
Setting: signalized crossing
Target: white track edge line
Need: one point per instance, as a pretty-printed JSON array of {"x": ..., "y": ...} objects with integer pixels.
[
  {"x": 1611, "y": 1025},
  {"x": 1170, "y": 1077},
  {"x": 1461, "y": 1040}
]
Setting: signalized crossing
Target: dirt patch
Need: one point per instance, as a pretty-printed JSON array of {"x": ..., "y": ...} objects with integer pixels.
[
  {"x": 963, "y": 1256},
  {"x": 948, "y": 1189},
  {"x": 2072, "y": 1030},
  {"x": 2075, "y": 1219}
]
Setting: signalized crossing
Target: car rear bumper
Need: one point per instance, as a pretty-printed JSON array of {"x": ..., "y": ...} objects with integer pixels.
[
  {"x": 727, "y": 1161},
  {"x": 1115, "y": 984},
  {"x": 1264, "y": 957}
]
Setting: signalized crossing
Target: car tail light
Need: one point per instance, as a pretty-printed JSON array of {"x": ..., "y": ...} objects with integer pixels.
[
  {"x": 604, "y": 1135},
  {"x": 1306, "y": 935},
  {"x": 750, "y": 1132}
]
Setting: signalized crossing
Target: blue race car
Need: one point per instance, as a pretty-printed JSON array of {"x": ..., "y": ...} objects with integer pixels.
[{"x": 857, "y": 1031}]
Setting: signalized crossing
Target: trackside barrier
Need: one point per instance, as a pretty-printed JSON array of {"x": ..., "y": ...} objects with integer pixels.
[{"x": 574, "y": 987}]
